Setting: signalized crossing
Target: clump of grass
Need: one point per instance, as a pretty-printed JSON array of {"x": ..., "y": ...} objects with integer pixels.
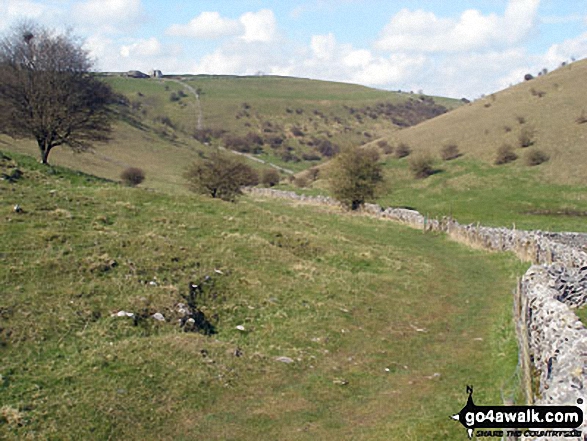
[
  {"x": 526, "y": 137},
  {"x": 536, "y": 157},
  {"x": 422, "y": 166},
  {"x": 301, "y": 181},
  {"x": 270, "y": 177},
  {"x": 385, "y": 147},
  {"x": 402, "y": 150},
  {"x": 450, "y": 151},
  {"x": 505, "y": 154},
  {"x": 132, "y": 176}
]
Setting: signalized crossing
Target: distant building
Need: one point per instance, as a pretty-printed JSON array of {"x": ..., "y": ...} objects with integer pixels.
[
  {"x": 136, "y": 74},
  {"x": 155, "y": 73}
]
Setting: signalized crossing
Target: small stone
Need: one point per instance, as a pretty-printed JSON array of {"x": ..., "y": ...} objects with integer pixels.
[
  {"x": 241, "y": 328},
  {"x": 159, "y": 317},
  {"x": 284, "y": 360}
]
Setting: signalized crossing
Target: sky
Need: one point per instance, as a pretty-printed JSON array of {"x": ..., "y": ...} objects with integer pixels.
[{"x": 448, "y": 48}]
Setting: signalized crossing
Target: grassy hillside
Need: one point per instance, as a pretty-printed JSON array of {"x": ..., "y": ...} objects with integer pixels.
[
  {"x": 384, "y": 325},
  {"x": 551, "y": 109},
  {"x": 295, "y": 123}
]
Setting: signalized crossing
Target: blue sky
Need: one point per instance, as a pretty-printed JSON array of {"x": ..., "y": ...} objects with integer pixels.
[{"x": 457, "y": 49}]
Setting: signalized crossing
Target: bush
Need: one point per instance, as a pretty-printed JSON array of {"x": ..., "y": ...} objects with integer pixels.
[
  {"x": 449, "y": 152},
  {"x": 354, "y": 176},
  {"x": 505, "y": 154},
  {"x": 402, "y": 150},
  {"x": 220, "y": 176},
  {"x": 132, "y": 176},
  {"x": 270, "y": 177},
  {"x": 301, "y": 181},
  {"x": 536, "y": 157},
  {"x": 385, "y": 147},
  {"x": 251, "y": 143},
  {"x": 422, "y": 166},
  {"x": 526, "y": 137},
  {"x": 311, "y": 156}
]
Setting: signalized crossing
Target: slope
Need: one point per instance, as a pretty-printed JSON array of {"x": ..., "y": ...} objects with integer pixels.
[
  {"x": 294, "y": 123},
  {"x": 382, "y": 326},
  {"x": 550, "y": 109}
]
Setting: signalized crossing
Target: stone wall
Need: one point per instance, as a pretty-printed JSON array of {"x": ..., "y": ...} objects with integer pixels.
[{"x": 550, "y": 335}]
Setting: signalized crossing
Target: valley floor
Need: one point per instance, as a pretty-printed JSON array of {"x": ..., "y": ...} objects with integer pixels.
[{"x": 384, "y": 325}]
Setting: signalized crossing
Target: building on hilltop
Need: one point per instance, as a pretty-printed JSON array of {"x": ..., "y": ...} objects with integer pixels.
[{"x": 136, "y": 74}]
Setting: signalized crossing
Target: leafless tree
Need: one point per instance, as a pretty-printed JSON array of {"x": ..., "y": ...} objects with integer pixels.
[{"x": 48, "y": 92}]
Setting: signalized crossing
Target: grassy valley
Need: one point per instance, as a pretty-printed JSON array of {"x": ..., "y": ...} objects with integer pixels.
[
  {"x": 328, "y": 324},
  {"x": 294, "y": 123},
  {"x": 545, "y": 115},
  {"x": 366, "y": 312}
]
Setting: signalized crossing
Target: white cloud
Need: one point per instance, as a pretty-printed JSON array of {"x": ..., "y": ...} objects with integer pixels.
[
  {"x": 397, "y": 69},
  {"x": 143, "y": 48},
  {"x": 573, "y": 47},
  {"x": 323, "y": 46},
  {"x": 207, "y": 25},
  {"x": 357, "y": 58},
  {"x": 421, "y": 31},
  {"x": 112, "y": 16},
  {"x": 259, "y": 26},
  {"x": 13, "y": 11},
  {"x": 250, "y": 27}
]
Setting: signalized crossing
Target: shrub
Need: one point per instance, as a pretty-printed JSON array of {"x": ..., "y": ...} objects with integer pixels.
[
  {"x": 422, "y": 166},
  {"x": 174, "y": 97},
  {"x": 526, "y": 137},
  {"x": 402, "y": 150},
  {"x": 220, "y": 176},
  {"x": 326, "y": 147},
  {"x": 296, "y": 131},
  {"x": 270, "y": 177},
  {"x": 301, "y": 181},
  {"x": 521, "y": 120},
  {"x": 132, "y": 176},
  {"x": 505, "y": 154},
  {"x": 354, "y": 176},
  {"x": 536, "y": 157},
  {"x": 251, "y": 143},
  {"x": 313, "y": 173},
  {"x": 449, "y": 152},
  {"x": 311, "y": 156},
  {"x": 385, "y": 147}
]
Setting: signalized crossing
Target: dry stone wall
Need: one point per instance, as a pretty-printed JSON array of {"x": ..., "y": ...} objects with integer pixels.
[{"x": 550, "y": 334}]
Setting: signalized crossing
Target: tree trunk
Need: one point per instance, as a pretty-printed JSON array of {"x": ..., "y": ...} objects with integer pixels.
[{"x": 45, "y": 149}]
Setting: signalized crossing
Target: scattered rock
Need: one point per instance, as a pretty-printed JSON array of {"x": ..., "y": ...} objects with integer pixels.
[
  {"x": 123, "y": 314},
  {"x": 159, "y": 317},
  {"x": 240, "y": 328},
  {"x": 282, "y": 359}
]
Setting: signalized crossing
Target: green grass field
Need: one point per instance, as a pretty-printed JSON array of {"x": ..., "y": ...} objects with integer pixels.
[{"x": 385, "y": 325}]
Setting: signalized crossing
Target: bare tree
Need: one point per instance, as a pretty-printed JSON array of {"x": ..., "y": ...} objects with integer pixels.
[{"x": 48, "y": 93}]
